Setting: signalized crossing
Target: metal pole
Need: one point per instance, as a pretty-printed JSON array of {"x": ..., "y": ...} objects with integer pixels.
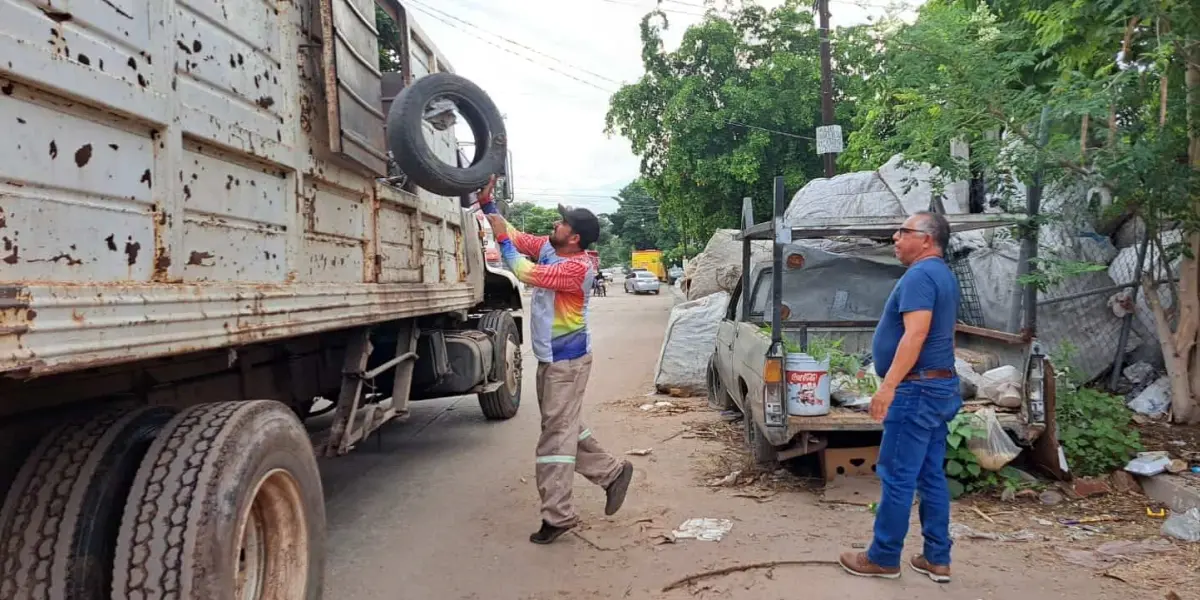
[
  {"x": 1127, "y": 322},
  {"x": 827, "y": 117},
  {"x": 747, "y": 222},
  {"x": 1027, "y": 298},
  {"x": 777, "y": 267}
]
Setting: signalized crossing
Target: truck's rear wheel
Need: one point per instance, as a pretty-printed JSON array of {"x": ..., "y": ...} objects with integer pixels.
[
  {"x": 59, "y": 523},
  {"x": 761, "y": 451},
  {"x": 506, "y": 366},
  {"x": 227, "y": 504}
]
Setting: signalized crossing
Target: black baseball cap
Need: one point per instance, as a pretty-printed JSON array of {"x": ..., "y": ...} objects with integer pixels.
[{"x": 582, "y": 222}]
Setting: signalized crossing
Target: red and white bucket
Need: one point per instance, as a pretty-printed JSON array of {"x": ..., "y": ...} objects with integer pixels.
[{"x": 807, "y": 385}]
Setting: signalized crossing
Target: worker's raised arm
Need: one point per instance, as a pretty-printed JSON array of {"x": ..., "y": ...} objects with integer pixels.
[{"x": 565, "y": 276}]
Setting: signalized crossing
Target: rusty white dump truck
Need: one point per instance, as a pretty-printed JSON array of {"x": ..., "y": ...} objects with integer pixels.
[{"x": 226, "y": 251}]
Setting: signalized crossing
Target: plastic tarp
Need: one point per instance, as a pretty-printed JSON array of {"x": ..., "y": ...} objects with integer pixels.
[
  {"x": 1123, "y": 268},
  {"x": 1086, "y": 323},
  {"x": 831, "y": 286},
  {"x": 689, "y": 343},
  {"x": 895, "y": 189},
  {"x": 718, "y": 268}
]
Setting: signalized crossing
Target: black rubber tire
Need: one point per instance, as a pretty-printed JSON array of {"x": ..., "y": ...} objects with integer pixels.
[
  {"x": 718, "y": 399},
  {"x": 59, "y": 524},
  {"x": 504, "y": 402},
  {"x": 762, "y": 453},
  {"x": 185, "y": 514},
  {"x": 655, "y": 292},
  {"x": 406, "y": 137}
]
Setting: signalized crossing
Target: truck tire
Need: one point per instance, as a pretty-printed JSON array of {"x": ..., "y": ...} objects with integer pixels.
[
  {"x": 506, "y": 366},
  {"x": 226, "y": 504},
  {"x": 718, "y": 399},
  {"x": 762, "y": 453},
  {"x": 406, "y": 135},
  {"x": 59, "y": 523}
]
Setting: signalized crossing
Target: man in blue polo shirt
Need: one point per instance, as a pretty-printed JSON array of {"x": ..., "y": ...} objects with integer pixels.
[{"x": 913, "y": 350}]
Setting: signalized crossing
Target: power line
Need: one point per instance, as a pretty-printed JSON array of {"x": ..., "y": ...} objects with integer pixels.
[
  {"x": 513, "y": 42},
  {"x": 659, "y": 8},
  {"x": 510, "y": 51},
  {"x": 735, "y": 123}
]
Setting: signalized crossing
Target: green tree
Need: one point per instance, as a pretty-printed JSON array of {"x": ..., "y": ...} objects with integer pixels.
[
  {"x": 1119, "y": 83},
  {"x": 733, "y": 107},
  {"x": 531, "y": 218},
  {"x": 390, "y": 42}
]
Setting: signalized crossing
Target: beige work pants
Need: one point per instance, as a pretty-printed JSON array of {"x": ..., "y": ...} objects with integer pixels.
[{"x": 566, "y": 445}]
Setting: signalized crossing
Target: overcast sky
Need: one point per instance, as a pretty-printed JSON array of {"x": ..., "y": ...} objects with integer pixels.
[{"x": 555, "y": 121}]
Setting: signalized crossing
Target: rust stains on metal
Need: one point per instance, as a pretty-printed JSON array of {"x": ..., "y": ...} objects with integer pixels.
[
  {"x": 71, "y": 260},
  {"x": 198, "y": 258},
  {"x": 187, "y": 192},
  {"x": 142, "y": 81},
  {"x": 183, "y": 46},
  {"x": 53, "y": 149},
  {"x": 83, "y": 155},
  {"x": 14, "y": 254},
  {"x": 112, "y": 243},
  {"x": 3, "y": 219},
  {"x": 132, "y": 63},
  {"x": 20, "y": 120},
  {"x": 162, "y": 262},
  {"x": 265, "y": 102},
  {"x": 196, "y": 46},
  {"x": 7, "y": 88},
  {"x": 146, "y": 178},
  {"x": 131, "y": 251},
  {"x": 114, "y": 146},
  {"x": 84, "y": 60},
  {"x": 57, "y": 16}
]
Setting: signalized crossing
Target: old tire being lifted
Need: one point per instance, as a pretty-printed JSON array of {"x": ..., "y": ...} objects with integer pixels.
[
  {"x": 412, "y": 153},
  {"x": 226, "y": 504}
]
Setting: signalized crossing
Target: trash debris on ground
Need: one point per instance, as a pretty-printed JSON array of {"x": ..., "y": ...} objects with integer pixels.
[
  {"x": 1002, "y": 386},
  {"x": 1177, "y": 466},
  {"x": 1183, "y": 526},
  {"x": 1149, "y": 464},
  {"x": 1155, "y": 400},
  {"x": 1139, "y": 372},
  {"x": 1050, "y": 498},
  {"x": 1110, "y": 554},
  {"x": 704, "y": 529},
  {"x": 994, "y": 449},
  {"x": 759, "y": 497},
  {"x": 641, "y": 452},
  {"x": 1086, "y": 520},
  {"x": 727, "y": 480},
  {"x": 958, "y": 531}
]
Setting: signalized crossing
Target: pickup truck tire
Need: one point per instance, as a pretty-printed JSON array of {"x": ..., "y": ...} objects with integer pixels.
[
  {"x": 506, "y": 366},
  {"x": 227, "y": 504},
  {"x": 59, "y": 523},
  {"x": 411, "y": 151},
  {"x": 718, "y": 398},
  {"x": 762, "y": 453}
]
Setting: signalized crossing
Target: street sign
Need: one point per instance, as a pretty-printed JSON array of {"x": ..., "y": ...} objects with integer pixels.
[{"x": 829, "y": 139}]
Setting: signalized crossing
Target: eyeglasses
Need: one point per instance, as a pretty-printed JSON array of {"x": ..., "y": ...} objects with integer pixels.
[{"x": 904, "y": 230}]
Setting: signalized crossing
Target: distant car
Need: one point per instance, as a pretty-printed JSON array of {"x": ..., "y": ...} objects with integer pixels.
[
  {"x": 674, "y": 274},
  {"x": 641, "y": 282}
]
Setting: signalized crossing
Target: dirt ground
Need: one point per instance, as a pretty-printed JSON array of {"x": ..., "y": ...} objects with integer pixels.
[{"x": 442, "y": 508}]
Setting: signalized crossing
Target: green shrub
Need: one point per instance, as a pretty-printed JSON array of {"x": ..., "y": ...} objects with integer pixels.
[{"x": 1095, "y": 428}]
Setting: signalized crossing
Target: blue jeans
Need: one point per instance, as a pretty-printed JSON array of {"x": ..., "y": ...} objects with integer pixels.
[{"x": 912, "y": 459}]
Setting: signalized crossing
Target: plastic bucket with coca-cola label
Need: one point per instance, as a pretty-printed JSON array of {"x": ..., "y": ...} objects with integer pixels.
[{"x": 807, "y": 385}]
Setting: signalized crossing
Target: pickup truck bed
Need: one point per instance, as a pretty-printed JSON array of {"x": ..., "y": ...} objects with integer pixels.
[{"x": 844, "y": 420}]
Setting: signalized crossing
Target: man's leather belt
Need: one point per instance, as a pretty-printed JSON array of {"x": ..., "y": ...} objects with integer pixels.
[{"x": 929, "y": 374}]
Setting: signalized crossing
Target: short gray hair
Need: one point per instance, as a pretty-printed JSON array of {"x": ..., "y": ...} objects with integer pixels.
[{"x": 937, "y": 227}]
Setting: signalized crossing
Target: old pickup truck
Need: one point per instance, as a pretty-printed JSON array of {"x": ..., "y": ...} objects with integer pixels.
[
  {"x": 211, "y": 276},
  {"x": 804, "y": 293}
]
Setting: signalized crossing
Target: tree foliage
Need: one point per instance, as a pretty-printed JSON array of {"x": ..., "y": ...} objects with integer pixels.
[
  {"x": 699, "y": 116},
  {"x": 531, "y": 218},
  {"x": 1118, "y": 85}
]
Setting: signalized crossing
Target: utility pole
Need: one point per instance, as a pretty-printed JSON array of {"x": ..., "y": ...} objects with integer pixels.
[{"x": 829, "y": 137}]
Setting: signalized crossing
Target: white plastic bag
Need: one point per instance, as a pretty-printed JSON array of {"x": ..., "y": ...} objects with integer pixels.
[
  {"x": 1002, "y": 386},
  {"x": 994, "y": 449},
  {"x": 1184, "y": 526}
]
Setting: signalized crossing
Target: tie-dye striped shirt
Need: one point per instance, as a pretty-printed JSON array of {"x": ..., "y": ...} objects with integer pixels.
[{"x": 562, "y": 286}]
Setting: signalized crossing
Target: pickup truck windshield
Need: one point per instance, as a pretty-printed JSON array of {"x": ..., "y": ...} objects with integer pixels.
[{"x": 822, "y": 286}]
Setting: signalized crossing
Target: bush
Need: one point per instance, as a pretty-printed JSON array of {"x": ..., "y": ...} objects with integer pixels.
[{"x": 1095, "y": 430}]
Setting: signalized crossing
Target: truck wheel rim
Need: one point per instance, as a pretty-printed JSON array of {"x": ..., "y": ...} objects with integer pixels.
[
  {"x": 272, "y": 558},
  {"x": 512, "y": 377}
]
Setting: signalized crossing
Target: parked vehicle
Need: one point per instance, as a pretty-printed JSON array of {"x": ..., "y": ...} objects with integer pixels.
[
  {"x": 213, "y": 239},
  {"x": 649, "y": 260},
  {"x": 674, "y": 274},
  {"x": 641, "y": 282},
  {"x": 747, "y": 367}
]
